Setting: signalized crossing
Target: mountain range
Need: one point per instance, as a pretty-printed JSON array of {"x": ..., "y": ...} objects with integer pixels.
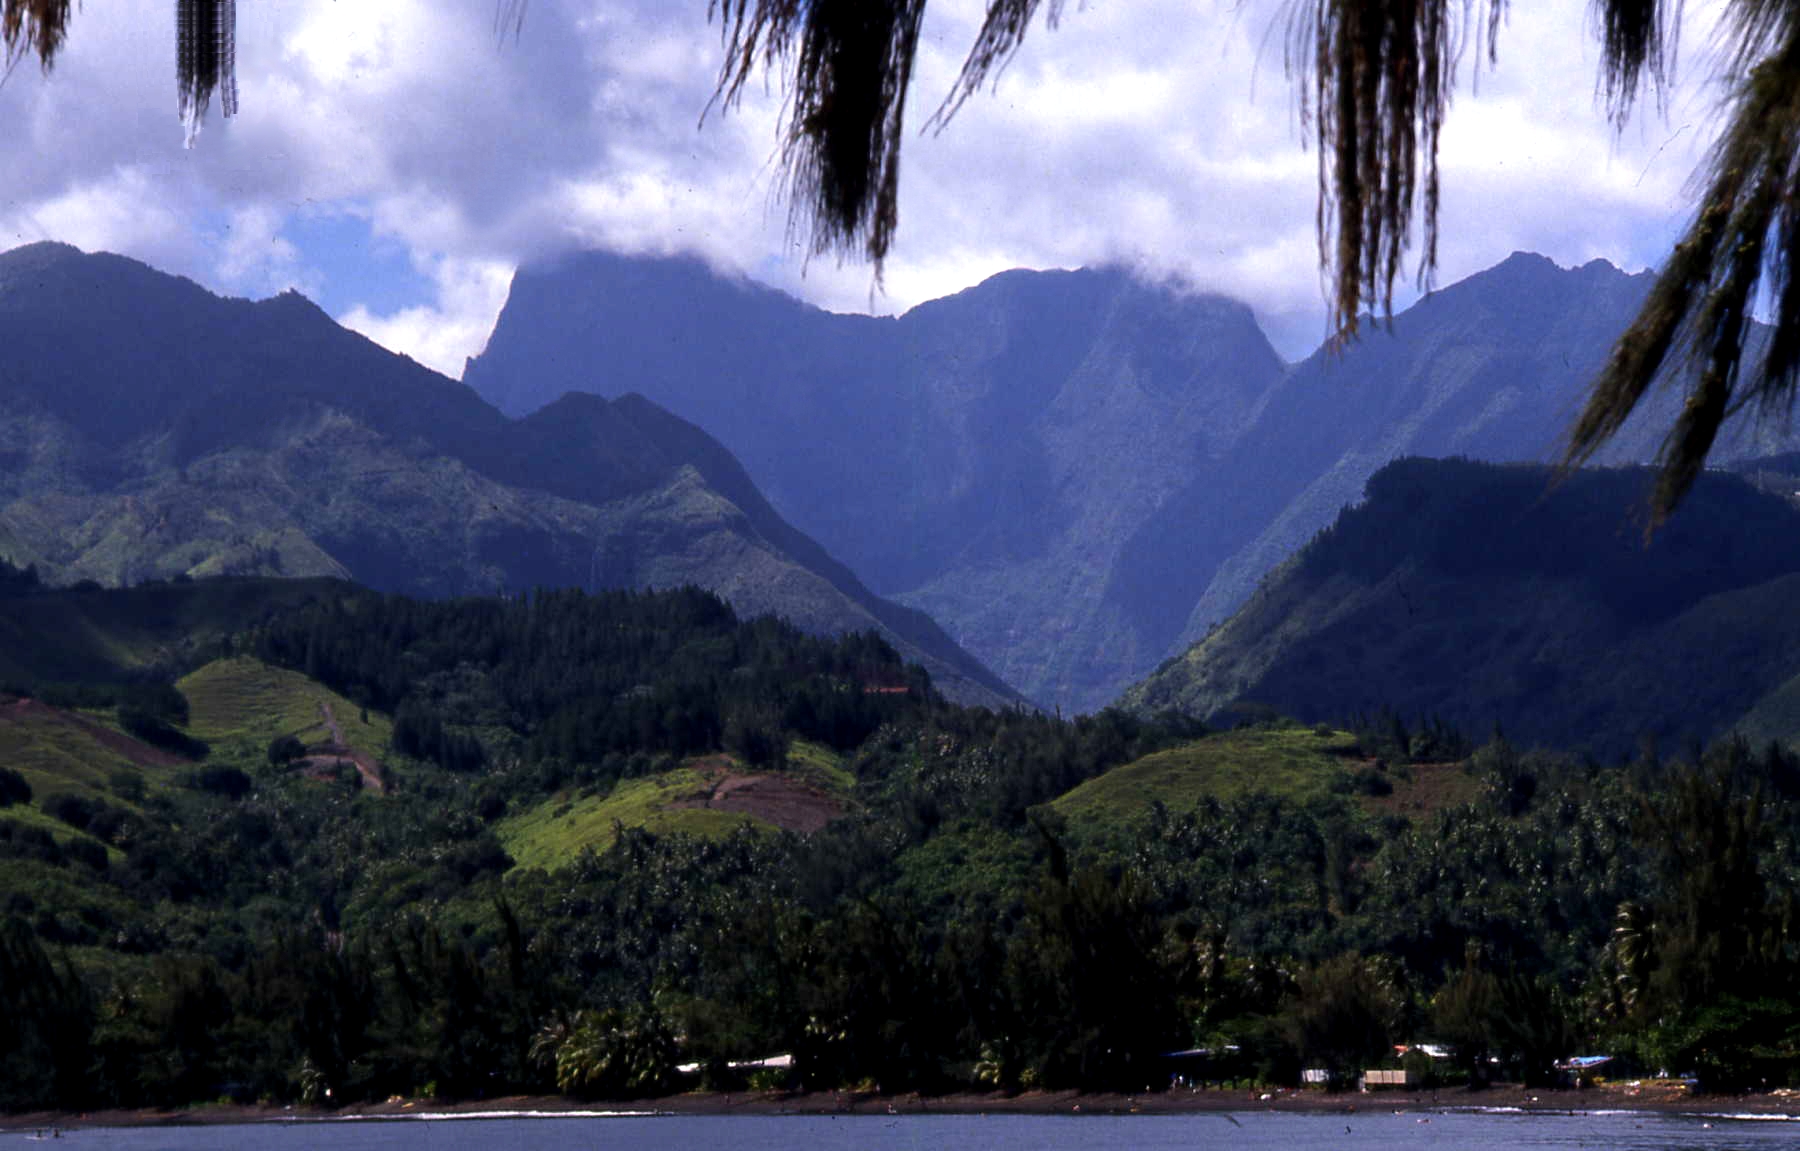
[
  {"x": 1077, "y": 473},
  {"x": 149, "y": 429}
]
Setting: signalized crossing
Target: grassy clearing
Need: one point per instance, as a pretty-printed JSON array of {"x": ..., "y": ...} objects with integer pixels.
[
  {"x": 820, "y": 766},
  {"x": 54, "y": 755},
  {"x": 27, "y": 815},
  {"x": 61, "y": 752},
  {"x": 246, "y": 702},
  {"x": 1423, "y": 788},
  {"x": 552, "y": 834},
  {"x": 1299, "y": 763}
]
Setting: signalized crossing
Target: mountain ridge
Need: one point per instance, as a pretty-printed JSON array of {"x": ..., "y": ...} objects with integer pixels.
[
  {"x": 1077, "y": 472},
  {"x": 1000, "y": 428},
  {"x": 1492, "y": 595},
  {"x": 155, "y": 429}
]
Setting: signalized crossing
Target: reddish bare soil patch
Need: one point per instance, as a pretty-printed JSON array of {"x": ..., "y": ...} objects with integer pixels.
[
  {"x": 321, "y": 760},
  {"x": 781, "y": 800},
  {"x": 135, "y": 750},
  {"x": 1433, "y": 787},
  {"x": 366, "y": 764}
]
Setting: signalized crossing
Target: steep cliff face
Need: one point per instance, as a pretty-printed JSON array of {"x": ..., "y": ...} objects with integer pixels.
[
  {"x": 989, "y": 455},
  {"x": 1077, "y": 473}
]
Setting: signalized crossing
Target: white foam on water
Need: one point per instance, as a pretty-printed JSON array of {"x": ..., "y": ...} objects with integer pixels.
[{"x": 445, "y": 1115}]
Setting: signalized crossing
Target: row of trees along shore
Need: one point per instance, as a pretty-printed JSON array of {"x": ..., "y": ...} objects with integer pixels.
[{"x": 299, "y": 940}]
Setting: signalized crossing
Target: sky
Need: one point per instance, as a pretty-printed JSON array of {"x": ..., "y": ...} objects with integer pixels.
[{"x": 396, "y": 161}]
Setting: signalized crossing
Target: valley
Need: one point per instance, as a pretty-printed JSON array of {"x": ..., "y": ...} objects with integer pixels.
[
  {"x": 361, "y": 739},
  {"x": 1077, "y": 474}
]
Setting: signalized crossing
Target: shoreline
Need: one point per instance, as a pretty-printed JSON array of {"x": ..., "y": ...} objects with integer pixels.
[{"x": 1649, "y": 1099}]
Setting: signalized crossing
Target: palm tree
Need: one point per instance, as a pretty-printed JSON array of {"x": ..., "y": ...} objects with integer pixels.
[{"x": 1374, "y": 80}]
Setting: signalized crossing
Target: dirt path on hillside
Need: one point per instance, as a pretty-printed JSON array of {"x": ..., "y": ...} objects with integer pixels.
[{"x": 366, "y": 766}]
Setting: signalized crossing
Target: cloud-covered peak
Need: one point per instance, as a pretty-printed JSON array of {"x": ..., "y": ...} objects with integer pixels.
[{"x": 397, "y": 162}]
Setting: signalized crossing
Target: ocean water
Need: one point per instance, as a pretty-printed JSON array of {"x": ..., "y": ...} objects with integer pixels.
[{"x": 1248, "y": 1131}]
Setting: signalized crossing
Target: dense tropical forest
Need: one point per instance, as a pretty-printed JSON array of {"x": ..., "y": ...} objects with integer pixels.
[{"x": 294, "y": 841}]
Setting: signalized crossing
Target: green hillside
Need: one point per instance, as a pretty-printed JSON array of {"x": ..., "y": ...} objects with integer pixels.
[
  {"x": 156, "y": 431},
  {"x": 707, "y": 797},
  {"x": 555, "y": 832},
  {"x": 1484, "y": 595},
  {"x": 575, "y": 881},
  {"x": 1301, "y": 764},
  {"x": 246, "y": 701},
  {"x": 58, "y": 750}
]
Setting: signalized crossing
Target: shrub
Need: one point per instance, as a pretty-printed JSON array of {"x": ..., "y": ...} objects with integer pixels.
[
  {"x": 126, "y": 784},
  {"x": 226, "y": 781},
  {"x": 13, "y": 788},
  {"x": 157, "y": 732},
  {"x": 285, "y": 750},
  {"x": 86, "y": 851},
  {"x": 75, "y": 810}
]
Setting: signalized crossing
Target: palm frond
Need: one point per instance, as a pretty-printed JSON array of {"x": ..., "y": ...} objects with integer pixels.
[
  {"x": 845, "y": 119},
  {"x": 205, "y": 59},
  {"x": 33, "y": 27},
  {"x": 1697, "y": 318},
  {"x": 1637, "y": 42},
  {"x": 1375, "y": 82},
  {"x": 509, "y": 19},
  {"x": 1002, "y": 32}
]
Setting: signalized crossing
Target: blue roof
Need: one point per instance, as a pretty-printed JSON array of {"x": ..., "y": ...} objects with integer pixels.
[{"x": 1582, "y": 1062}]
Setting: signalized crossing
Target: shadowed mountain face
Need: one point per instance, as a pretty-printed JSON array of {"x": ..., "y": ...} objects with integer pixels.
[
  {"x": 149, "y": 429},
  {"x": 1076, "y": 472},
  {"x": 989, "y": 455},
  {"x": 1487, "y": 595}
]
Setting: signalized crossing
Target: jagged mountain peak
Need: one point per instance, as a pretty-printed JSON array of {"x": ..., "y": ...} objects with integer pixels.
[
  {"x": 1034, "y": 418},
  {"x": 1075, "y": 469}
]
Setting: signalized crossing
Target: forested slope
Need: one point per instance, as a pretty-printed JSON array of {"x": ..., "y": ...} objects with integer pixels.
[{"x": 1509, "y": 597}]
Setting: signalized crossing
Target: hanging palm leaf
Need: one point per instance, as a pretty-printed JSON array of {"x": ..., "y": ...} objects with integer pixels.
[
  {"x": 205, "y": 59},
  {"x": 33, "y": 27},
  {"x": 842, "y": 132},
  {"x": 1743, "y": 244}
]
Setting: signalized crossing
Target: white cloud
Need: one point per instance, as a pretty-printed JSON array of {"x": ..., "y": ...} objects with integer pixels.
[
  {"x": 254, "y": 258},
  {"x": 1161, "y": 133},
  {"x": 456, "y": 325}
]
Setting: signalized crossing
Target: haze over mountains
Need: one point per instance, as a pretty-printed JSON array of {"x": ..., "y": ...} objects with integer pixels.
[
  {"x": 150, "y": 429},
  {"x": 1077, "y": 473}
]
